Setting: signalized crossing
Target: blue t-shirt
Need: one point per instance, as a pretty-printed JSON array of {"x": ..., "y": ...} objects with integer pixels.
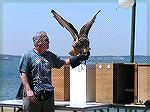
[{"x": 38, "y": 68}]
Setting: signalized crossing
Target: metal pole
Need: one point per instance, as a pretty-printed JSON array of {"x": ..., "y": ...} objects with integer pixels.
[
  {"x": 132, "y": 35},
  {"x": 133, "y": 32}
]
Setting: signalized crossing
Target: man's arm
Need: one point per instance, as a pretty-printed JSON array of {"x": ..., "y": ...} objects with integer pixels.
[{"x": 27, "y": 87}]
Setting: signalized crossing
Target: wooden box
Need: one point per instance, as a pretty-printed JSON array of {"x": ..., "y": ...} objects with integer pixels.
[
  {"x": 61, "y": 83},
  {"x": 104, "y": 83},
  {"x": 82, "y": 84},
  {"x": 115, "y": 83},
  {"x": 142, "y": 85}
]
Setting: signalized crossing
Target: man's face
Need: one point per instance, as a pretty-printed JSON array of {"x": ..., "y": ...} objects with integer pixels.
[{"x": 44, "y": 42}]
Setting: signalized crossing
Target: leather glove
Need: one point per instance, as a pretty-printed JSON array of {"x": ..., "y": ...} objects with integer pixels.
[{"x": 76, "y": 61}]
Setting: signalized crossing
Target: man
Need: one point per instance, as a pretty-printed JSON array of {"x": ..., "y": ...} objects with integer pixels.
[{"x": 35, "y": 73}]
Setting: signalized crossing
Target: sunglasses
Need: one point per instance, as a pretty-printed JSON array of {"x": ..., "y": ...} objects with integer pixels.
[{"x": 47, "y": 40}]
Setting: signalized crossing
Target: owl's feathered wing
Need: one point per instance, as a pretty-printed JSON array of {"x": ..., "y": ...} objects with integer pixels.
[
  {"x": 66, "y": 25},
  {"x": 81, "y": 42}
]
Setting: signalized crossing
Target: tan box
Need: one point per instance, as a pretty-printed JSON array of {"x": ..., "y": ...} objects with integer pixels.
[
  {"x": 61, "y": 83},
  {"x": 104, "y": 83},
  {"x": 142, "y": 85},
  {"x": 115, "y": 83}
]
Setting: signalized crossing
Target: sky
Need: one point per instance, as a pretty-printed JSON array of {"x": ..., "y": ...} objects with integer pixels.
[{"x": 109, "y": 35}]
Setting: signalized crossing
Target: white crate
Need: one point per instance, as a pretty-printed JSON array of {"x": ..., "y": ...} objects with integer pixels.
[{"x": 82, "y": 84}]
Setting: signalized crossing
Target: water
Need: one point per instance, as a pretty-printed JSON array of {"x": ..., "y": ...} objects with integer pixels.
[{"x": 9, "y": 76}]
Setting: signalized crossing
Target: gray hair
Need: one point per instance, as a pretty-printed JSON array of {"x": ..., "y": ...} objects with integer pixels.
[{"x": 38, "y": 36}]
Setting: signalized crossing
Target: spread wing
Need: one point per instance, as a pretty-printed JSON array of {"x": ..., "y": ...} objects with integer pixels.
[
  {"x": 66, "y": 25},
  {"x": 85, "y": 29}
]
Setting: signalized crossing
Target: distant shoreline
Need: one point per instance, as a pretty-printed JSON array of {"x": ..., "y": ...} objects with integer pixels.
[{"x": 92, "y": 55}]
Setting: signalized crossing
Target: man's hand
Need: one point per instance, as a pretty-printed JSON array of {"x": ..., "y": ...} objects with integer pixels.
[
  {"x": 31, "y": 95},
  {"x": 26, "y": 85}
]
